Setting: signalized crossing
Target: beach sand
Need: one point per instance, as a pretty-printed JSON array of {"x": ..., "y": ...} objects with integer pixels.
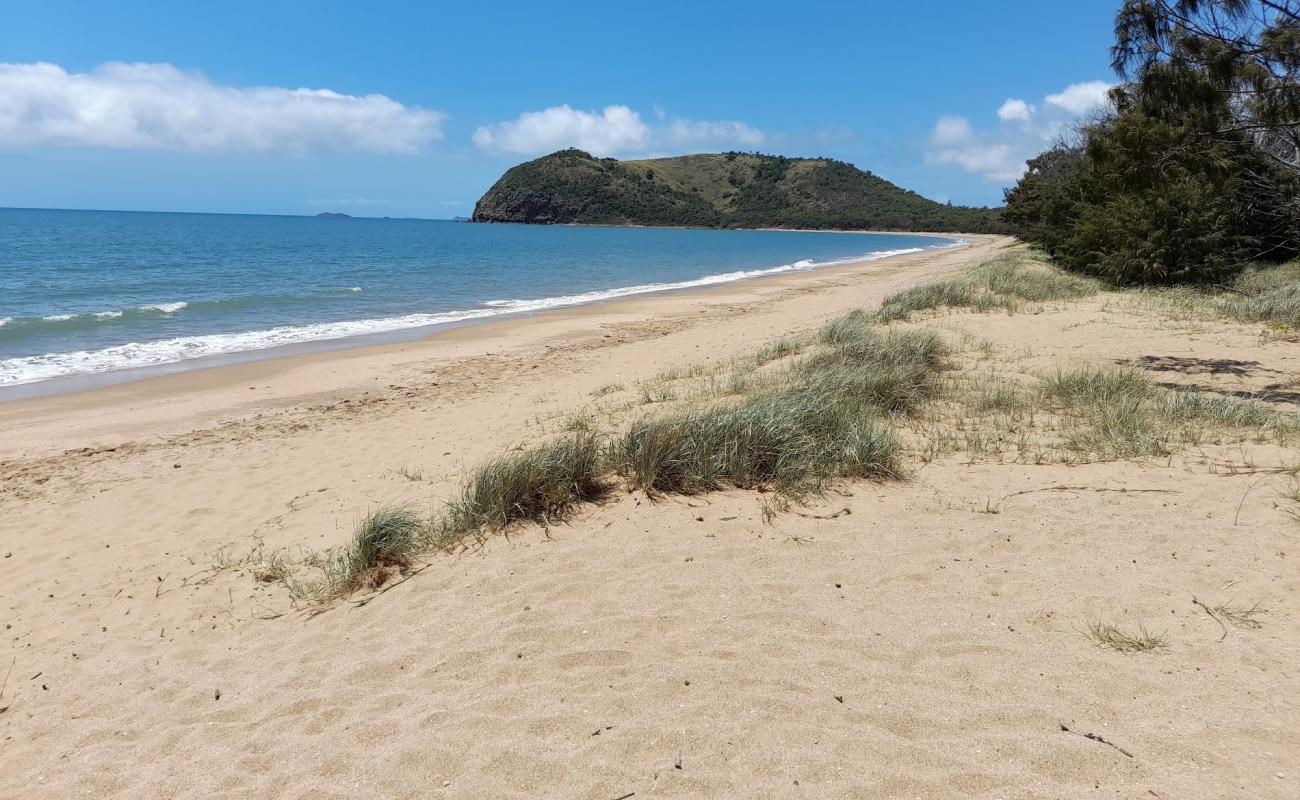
[{"x": 919, "y": 638}]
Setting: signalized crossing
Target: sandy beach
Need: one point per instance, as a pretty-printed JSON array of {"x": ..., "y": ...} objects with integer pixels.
[{"x": 919, "y": 638}]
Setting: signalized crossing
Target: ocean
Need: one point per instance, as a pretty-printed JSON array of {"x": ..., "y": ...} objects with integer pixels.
[{"x": 121, "y": 294}]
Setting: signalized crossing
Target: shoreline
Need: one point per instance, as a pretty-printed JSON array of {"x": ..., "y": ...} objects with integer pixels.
[
  {"x": 182, "y": 400},
  {"x": 86, "y": 381}
]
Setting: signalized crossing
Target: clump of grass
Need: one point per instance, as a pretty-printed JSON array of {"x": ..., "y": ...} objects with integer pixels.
[
  {"x": 818, "y": 422},
  {"x": 579, "y": 423},
  {"x": 997, "y": 397},
  {"x": 1121, "y": 413},
  {"x": 1188, "y": 408},
  {"x": 385, "y": 542},
  {"x": 1259, "y": 294},
  {"x": 1139, "y": 641},
  {"x": 657, "y": 393},
  {"x": 793, "y": 441},
  {"x": 1021, "y": 276},
  {"x": 848, "y": 327},
  {"x": 413, "y": 475},
  {"x": 782, "y": 348},
  {"x": 943, "y": 294},
  {"x": 891, "y": 372},
  {"x": 1112, "y": 410},
  {"x": 542, "y": 484},
  {"x": 1003, "y": 282}
]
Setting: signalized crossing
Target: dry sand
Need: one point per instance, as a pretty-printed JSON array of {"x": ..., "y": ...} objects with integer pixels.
[{"x": 924, "y": 644}]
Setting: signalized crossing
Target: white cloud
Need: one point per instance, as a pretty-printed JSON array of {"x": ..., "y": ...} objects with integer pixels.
[
  {"x": 617, "y": 130},
  {"x": 1016, "y": 110},
  {"x": 698, "y": 132},
  {"x": 951, "y": 130},
  {"x": 159, "y": 107},
  {"x": 1080, "y": 98},
  {"x": 1000, "y": 154},
  {"x": 997, "y": 162}
]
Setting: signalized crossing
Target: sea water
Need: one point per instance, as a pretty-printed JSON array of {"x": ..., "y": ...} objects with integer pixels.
[{"x": 102, "y": 292}]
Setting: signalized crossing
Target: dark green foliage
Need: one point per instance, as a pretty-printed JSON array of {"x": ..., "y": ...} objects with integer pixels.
[
  {"x": 737, "y": 190},
  {"x": 1151, "y": 198},
  {"x": 570, "y": 186},
  {"x": 1194, "y": 173}
]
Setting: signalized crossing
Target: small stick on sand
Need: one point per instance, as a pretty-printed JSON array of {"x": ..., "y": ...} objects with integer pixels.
[
  {"x": 836, "y": 515},
  {"x": 5, "y": 682},
  {"x": 1214, "y": 617},
  {"x": 1095, "y": 738},
  {"x": 1123, "y": 490}
]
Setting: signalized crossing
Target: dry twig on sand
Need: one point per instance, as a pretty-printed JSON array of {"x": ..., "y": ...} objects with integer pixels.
[
  {"x": 1095, "y": 738},
  {"x": 1214, "y": 617}
]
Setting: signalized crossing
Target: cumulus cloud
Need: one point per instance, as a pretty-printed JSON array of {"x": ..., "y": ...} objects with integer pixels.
[
  {"x": 614, "y": 130},
  {"x": 951, "y": 130},
  {"x": 1016, "y": 110},
  {"x": 1023, "y": 130},
  {"x": 617, "y": 130},
  {"x": 1081, "y": 98},
  {"x": 159, "y": 107}
]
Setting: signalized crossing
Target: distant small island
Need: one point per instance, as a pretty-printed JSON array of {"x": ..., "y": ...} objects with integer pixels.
[
  {"x": 333, "y": 215},
  {"x": 718, "y": 190}
]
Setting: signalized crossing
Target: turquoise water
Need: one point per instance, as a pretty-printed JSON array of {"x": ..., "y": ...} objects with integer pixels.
[{"x": 91, "y": 292}]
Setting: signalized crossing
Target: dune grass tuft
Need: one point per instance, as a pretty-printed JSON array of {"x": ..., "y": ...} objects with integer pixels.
[
  {"x": 792, "y": 441},
  {"x": 781, "y": 348},
  {"x": 817, "y": 421},
  {"x": 1259, "y": 294},
  {"x": 1003, "y": 282},
  {"x": 385, "y": 541},
  {"x": 542, "y": 484},
  {"x": 1139, "y": 641},
  {"x": 1121, "y": 413}
]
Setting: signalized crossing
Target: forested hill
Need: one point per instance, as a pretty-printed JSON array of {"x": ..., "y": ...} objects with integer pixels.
[{"x": 727, "y": 190}]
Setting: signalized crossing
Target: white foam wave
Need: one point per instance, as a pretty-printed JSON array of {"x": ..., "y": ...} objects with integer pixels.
[
  {"x": 5, "y": 321},
  {"x": 107, "y": 314},
  {"x": 166, "y": 308},
  {"x": 58, "y": 317},
  {"x": 354, "y": 289},
  {"x": 30, "y": 369}
]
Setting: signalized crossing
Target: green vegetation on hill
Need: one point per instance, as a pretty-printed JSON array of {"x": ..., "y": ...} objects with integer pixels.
[{"x": 731, "y": 190}]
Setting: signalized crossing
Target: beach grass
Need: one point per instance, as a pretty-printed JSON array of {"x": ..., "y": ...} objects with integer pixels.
[
  {"x": 1267, "y": 294},
  {"x": 1118, "y": 412},
  {"x": 1005, "y": 282},
  {"x": 540, "y": 484},
  {"x": 817, "y": 420},
  {"x": 385, "y": 542},
  {"x": 1141, "y": 640},
  {"x": 847, "y": 401}
]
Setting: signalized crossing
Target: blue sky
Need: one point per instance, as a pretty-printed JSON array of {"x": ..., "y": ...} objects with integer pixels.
[{"x": 192, "y": 106}]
